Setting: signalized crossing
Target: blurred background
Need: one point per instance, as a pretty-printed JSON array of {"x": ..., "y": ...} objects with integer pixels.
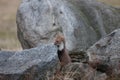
[{"x": 8, "y": 29}]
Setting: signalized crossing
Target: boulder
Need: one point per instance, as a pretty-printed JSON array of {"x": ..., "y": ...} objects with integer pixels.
[
  {"x": 107, "y": 52},
  {"x": 4, "y": 55},
  {"x": 29, "y": 64},
  {"x": 82, "y": 22}
]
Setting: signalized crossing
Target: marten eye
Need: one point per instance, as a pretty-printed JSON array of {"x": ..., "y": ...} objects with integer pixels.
[{"x": 57, "y": 41}]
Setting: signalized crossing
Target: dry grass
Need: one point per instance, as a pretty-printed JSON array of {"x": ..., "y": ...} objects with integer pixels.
[
  {"x": 8, "y": 35},
  {"x": 112, "y": 2},
  {"x": 78, "y": 71}
]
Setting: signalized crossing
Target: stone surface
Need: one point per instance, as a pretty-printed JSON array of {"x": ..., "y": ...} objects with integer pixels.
[
  {"x": 4, "y": 55},
  {"x": 29, "y": 64},
  {"x": 82, "y": 22},
  {"x": 107, "y": 51}
]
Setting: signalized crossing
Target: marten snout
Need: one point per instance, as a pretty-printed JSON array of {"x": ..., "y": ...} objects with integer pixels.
[
  {"x": 58, "y": 40},
  {"x": 57, "y": 43}
]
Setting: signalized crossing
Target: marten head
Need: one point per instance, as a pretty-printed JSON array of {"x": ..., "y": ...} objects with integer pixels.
[{"x": 60, "y": 42}]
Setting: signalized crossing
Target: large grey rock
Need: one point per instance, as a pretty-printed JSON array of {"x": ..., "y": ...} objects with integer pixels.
[
  {"x": 82, "y": 22},
  {"x": 4, "y": 55},
  {"x": 107, "y": 51},
  {"x": 31, "y": 64}
]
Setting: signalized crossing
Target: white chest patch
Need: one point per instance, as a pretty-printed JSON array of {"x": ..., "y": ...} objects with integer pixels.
[{"x": 61, "y": 46}]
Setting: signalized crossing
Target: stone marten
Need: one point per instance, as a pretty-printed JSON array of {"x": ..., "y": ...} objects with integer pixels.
[{"x": 63, "y": 55}]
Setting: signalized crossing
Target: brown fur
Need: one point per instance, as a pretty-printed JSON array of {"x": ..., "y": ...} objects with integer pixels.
[{"x": 63, "y": 55}]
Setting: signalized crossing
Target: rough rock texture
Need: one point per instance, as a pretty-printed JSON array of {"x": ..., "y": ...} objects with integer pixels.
[
  {"x": 107, "y": 51},
  {"x": 4, "y": 55},
  {"x": 83, "y": 22},
  {"x": 32, "y": 64}
]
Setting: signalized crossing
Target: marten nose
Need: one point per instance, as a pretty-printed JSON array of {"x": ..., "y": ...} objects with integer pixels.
[{"x": 56, "y": 42}]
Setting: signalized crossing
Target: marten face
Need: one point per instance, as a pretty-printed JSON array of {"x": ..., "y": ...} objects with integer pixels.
[{"x": 59, "y": 42}]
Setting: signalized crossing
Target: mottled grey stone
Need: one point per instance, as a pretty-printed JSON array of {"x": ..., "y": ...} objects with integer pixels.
[
  {"x": 4, "y": 55},
  {"x": 82, "y": 22},
  {"x": 29, "y": 64},
  {"x": 107, "y": 50}
]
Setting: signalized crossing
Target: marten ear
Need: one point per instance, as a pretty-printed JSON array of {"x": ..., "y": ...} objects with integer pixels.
[{"x": 60, "y": 37}]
